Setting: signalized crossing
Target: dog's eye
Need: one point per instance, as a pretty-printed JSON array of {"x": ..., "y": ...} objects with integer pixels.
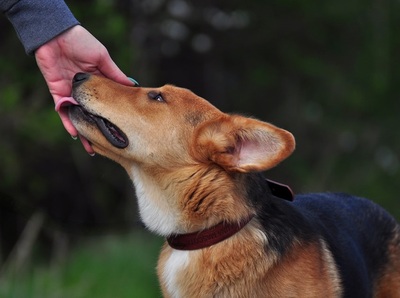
[{"x": 155, "y": 96}]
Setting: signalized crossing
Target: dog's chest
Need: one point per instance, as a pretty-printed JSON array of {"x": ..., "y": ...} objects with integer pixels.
[{"x": 173, "y": 268}]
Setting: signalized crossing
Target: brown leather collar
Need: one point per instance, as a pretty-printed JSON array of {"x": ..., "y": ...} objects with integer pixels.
[{"x": 208, "y": 237}]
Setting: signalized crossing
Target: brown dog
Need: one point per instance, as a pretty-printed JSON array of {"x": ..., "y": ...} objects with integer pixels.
[{"x": 196, "y": 175}]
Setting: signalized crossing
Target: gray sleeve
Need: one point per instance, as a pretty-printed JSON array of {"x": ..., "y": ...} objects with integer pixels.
[{"x": 37, "y": 21}]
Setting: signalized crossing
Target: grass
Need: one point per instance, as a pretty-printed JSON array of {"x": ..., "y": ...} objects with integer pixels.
[{"x": 112, "y": 267}]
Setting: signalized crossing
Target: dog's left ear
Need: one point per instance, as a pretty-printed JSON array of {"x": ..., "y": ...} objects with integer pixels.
[{"x": 242, "y": 144}]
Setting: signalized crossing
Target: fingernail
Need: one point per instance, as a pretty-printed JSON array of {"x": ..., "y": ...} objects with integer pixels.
[
  {"x": 92, "y": 154},
  {"x": 134, "y": 81},
  {"x": 74, "y": 137}
]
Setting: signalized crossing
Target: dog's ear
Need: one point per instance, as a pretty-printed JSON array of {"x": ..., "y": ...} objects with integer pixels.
[{"x": 242, "y": 144}]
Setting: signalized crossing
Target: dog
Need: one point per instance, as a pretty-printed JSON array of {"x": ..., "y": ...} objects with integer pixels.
[{"x": 197, "y": 177}]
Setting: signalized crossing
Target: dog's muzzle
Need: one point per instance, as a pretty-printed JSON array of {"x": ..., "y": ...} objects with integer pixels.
[{"x": 75, "y": 109}]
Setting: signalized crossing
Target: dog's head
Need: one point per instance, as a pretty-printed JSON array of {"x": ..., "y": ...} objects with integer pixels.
[
  {"x": 172, "y": 142},
  {"x": 168, "y": 126}
]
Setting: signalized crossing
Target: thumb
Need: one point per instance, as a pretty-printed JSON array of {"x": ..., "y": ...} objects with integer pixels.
[{"x": 110, "y": 70}]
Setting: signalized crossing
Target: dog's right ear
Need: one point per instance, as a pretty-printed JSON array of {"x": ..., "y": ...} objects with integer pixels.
[{"x": 242, "y": 144}]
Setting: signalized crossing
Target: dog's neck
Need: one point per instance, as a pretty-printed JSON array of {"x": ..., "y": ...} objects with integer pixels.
[
  {"x": 223, "y": 230},
  {"x": 157, "y": 215},
  {"x": 172, "y": 204}
]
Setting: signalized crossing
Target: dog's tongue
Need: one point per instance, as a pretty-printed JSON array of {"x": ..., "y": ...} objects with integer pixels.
[
  {"x": 65, "y": 101},
  {"x": 62, "y": 109}
]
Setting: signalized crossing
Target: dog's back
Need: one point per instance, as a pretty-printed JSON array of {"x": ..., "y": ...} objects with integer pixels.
[
  {"x": 363, "y": 238},
  {"x": 359, "y": 240}
]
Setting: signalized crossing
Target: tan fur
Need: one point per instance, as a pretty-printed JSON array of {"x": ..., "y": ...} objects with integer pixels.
[
  {"x": 229, "y": 132},
  {"x": 388, "y": 285}
]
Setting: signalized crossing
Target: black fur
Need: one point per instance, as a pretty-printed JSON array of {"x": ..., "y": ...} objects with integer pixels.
[{"x": 356, "y": 230}]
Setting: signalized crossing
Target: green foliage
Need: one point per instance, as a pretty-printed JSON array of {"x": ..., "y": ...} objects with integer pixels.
[
  {"x": 10, "y": 96},
  {"x": 111, "y": 266}
]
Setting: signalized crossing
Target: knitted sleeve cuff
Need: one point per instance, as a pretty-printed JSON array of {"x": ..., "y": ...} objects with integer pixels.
[{"x": 38, "y": 21}]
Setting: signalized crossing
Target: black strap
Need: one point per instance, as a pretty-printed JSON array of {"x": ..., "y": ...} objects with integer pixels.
[{"x": 280, "y": 190}]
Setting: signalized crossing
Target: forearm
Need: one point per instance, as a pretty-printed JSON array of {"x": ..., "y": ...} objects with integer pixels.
[{"x": 37, "y": 21}]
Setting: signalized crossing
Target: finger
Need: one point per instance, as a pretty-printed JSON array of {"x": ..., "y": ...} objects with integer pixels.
[
  {"x": 110, "y": 70},
  {"x": 69, "y": 127}
]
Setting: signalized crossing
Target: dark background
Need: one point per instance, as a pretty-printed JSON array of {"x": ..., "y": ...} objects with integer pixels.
[{"x": 328, "y": 71}]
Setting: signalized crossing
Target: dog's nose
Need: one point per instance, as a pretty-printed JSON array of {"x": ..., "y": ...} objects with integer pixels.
[{"x": 79, "y": 78}]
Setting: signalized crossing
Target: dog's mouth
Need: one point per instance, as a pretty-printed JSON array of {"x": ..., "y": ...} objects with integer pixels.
[
  {"x": 110, "y": 131},
  {"x": 114, "y": 135}
]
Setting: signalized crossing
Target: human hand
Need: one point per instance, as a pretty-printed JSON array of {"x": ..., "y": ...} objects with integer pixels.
[{"x": 75, "y": 50}]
